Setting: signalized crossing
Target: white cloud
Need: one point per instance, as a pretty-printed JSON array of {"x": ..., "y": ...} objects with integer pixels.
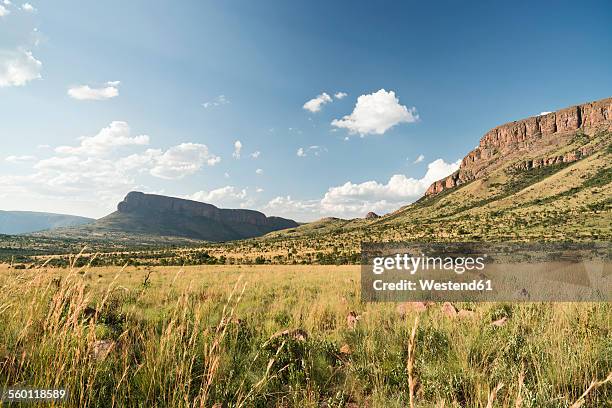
[
  {"x": 221, "y": 197},
  {"x": 256, "y": 154},
  {"x": 94, "y": 176},
  {"x": 7, "y": 2},
  {"x": 376, "y": 113},
  {"x": 237, "y": 149},
  {"x": 314, "y": 150},
  {"x": 259, "y": 190},
  {"x": 4, "y": 11},
  {"x": 544, "y": 113},
  {"x": 28, "y": 7},
  {"x": 285, "y": 205},
  {"x": 117, "y": 134},
  {"x": 315, "y": 104},
  {"x": 84, "y": 92},
  {"x": 259, "y": 171},
  {"x": 340, "y": 95},
  {"x": 218, "y": 101},
  {"x": 20, "y": 159},
  {"x": 419, "y": 159},
  {"x": 356, "y": 199},
  {"x": 17, "y": 68},
  {"x": 182, "y": 160},
  {"x": 98, "y": 182}
]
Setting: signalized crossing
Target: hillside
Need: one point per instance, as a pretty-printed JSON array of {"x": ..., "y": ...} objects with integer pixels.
[
  {"x": 23, "y": 222},
  {"x": 551, "y": 185},
  {"x": 155, "y": 218},
  {"x": 546, "y": 186}
]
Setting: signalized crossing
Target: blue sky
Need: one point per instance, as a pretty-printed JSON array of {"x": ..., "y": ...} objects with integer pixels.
[{"x": 162, "y": 91}]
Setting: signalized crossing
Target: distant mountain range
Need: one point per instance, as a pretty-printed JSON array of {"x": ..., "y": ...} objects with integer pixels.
[
  {"x": 23, "y": 222},
  {"x": 150, "y": 216},
  {"x": 545, "y": 177}
]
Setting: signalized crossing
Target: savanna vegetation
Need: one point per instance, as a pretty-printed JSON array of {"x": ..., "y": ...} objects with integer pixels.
[{"x": 288, "y": 336}]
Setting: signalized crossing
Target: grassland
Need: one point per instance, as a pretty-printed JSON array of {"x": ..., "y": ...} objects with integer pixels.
[{"x": 287, "y": 336}]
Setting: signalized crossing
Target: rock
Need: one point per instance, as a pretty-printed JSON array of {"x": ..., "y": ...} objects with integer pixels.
[
  {"x": 449, "y": 310},
  {"x": 518, "y": 136},
  {"x": 403, "y": 308},
  {"x": 500, "y": 322},
  {"x": 351, "y": 320},
  {"x": 371, "y": 215},
  {"x": 466, "y": 314}
]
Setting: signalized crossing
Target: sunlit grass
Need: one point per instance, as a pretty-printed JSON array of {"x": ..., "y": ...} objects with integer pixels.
[{"x": 282, "y": 336}]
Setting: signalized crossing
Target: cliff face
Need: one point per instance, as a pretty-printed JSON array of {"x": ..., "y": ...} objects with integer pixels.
[
  {"x": 156, "y": 214},
  {"x": 137, "y": 201},
  {"x": 511, "y": 138}
]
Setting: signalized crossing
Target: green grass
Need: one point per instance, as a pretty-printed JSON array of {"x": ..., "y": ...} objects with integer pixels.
[{"x": 198, "y": 336}]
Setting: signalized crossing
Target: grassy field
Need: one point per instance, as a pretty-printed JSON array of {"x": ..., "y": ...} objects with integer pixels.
[{"x": 285, "y": 336}]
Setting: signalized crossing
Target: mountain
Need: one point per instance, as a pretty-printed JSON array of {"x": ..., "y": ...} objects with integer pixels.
[
  {"x": 151, "y": 215},
  {"x": 22, "y": 222},
  {"x": 545, "y": 178},
  {"x": 533, "y": 143}
]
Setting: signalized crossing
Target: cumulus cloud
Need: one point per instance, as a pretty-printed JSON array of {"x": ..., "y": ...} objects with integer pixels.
[
  {"x": 218, "y": 101},
  {"x": 419, "y": 159},
  {"x": 228, "y": 196},
  {"x": 117, "y": 134},
  {"x": 315, "y": 104},
  {"x": 259, "y": 171},
  {"x": 340, "y": 95},
  {"x": 28, "y": 7},
  {"x": 237, "y": 149},
  {"x": 182, "y": 160},
  {"x": 356, "y": 199},
  {"x": 99, "y": 181},
  {"x": 301, "y": 152},
  {"x": 17, "y": 68},
  {"x": 94, "y": 174},
  {"x": 20, "y": 159},
  {"x": 86, "y": 93},
  {"x": 544, "y": 113},
  {"x": 256, "y": 154},
  {"x": 376, "y": 113},
  {"x": 4, "y": 11}
]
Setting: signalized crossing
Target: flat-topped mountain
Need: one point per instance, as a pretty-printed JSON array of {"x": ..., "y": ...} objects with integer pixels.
[
  {"x": 523, "y": 138},
  {"x": 161, "y": 216}
]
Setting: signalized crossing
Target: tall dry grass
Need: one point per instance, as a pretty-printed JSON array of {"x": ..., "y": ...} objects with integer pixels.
[{"x": 281, "y": 336}]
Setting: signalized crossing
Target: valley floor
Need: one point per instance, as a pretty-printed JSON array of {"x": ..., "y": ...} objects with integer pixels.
[{"x": 285, "y": 336}]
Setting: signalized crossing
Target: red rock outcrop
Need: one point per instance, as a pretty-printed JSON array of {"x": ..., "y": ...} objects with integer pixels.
[{"x": 520, "y": 135}]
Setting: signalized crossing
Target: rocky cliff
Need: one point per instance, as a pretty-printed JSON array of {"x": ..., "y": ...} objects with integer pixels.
[
  {"x": 139, "y": 202},
  {"x": 521, "y": 138},
  {"x": 152, "y": 214}
]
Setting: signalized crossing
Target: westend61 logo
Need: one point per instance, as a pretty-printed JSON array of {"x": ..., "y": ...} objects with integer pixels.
[
  {"x": 486, "y": 272},
  {"x": 412, "y": 264}
]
